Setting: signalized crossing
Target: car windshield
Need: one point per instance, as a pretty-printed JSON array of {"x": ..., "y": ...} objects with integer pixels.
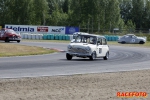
[
  {"x": 75, "y": 35},
  {"x": 85, "y": 39},
  {"x": 11, "y": 31}
]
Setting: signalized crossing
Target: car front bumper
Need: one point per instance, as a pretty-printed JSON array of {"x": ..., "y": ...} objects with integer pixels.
[
  {"x": 79, "y": 54},
  {"x": 14, "y": 39}
]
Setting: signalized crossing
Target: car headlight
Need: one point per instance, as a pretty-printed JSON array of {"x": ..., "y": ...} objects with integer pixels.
[
  {"x": 69, "y": 46},
  {"x": 88, "y": 48}
]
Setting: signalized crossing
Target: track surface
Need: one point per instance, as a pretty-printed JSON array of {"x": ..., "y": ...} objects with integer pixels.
[{"x": 121, "y": 59}]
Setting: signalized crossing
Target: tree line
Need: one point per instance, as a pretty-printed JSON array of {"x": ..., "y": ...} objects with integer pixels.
[{"x": 87, "y": 14}]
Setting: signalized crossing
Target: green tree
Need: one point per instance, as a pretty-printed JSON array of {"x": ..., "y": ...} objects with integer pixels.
[
  {"x": 137, "y": 12},
  {"x": 40, "y": 11},
  {"x": 3, "y": 12},
  {"x": 126, "y": 7},
  {"x": 146, "y": 15}
]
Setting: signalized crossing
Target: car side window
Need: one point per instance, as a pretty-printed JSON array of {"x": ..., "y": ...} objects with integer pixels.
[
  {"x": 133, "y": 36},
  {"x": 99, "y": 41},
  {"x": 104, "y": 41},
  {"x": 126, "y": 36},
  {"x": 2, "y": 33}
]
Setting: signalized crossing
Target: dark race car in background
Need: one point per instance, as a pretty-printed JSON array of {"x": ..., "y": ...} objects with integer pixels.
[{"x": 8, "y": 35}]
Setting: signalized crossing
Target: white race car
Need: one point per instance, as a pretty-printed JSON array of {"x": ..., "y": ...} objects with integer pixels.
[
  {"x": 131, "y": 38},
  {"x": 88, "y": 45}
]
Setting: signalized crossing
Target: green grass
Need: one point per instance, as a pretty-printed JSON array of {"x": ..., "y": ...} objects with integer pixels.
[
  {"x": 8, "y": 49},
  {"x": 147, "y": 44}
]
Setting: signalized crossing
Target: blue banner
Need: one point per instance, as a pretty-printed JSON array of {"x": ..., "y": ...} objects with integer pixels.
[{"x": 71, "y": 30}]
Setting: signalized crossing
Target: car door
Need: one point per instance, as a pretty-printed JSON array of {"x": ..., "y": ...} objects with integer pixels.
[
  {"x": 128, "y": 39},
  {"x": 104, "y": 47},
  {"x": 2, "y": 32},
  {"x": 133, "y": 39},
  {"x": 101, "y": 47}
]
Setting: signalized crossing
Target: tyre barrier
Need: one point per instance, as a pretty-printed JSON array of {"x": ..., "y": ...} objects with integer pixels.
[
  {"x": 111, "y": 38},
  {"x": 32, "y": 36},
  {"x": 59, "y": 37}
]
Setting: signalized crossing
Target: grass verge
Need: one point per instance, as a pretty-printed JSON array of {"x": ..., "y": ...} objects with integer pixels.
[
  {"x": 8, "y": 49},
  {"x": 147, "y": 44}
]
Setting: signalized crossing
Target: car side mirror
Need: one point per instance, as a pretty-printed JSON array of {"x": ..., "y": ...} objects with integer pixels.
[
  {"x": 73, "y": 40},
  {"x": 98, "y": 43}
]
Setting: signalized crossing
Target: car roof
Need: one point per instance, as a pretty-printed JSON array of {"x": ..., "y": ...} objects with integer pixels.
[
  {"x": 6, "y": 29},
  {"x": 79, "y": 33},
  {"x": 84, "y": 33},
  {"x": 130, "y": 34},
  {"x": 93, "y": 35}
]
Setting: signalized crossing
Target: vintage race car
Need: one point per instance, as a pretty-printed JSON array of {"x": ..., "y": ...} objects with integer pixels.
[
  {"x": 88, "y": 45},
  {"x": 131, "y": 38},
  {"x": 9, "y": 35}
]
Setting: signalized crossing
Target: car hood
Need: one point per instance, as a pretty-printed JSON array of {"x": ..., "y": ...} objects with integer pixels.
[
  {"x": 82, "y": 45},
  {"x": 141, "y": 38}
]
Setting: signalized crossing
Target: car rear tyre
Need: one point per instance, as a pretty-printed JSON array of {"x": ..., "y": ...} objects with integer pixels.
[
  {"x": 68, "y": 56},
  {"x": 93, "y": 56},
  {"x": 18, "y": 41},
  {"x": 107, "y": 56}
]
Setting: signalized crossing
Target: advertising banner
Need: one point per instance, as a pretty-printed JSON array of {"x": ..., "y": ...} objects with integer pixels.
[
  {"x": 43, "y": 29},
  {"x": 22, "y": 28},
  {"x": 71, "y": 30},
  {"x": 57, "y": 30}
]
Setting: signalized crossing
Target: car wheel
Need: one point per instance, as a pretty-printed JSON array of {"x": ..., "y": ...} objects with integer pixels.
[
  {"x": 106, "y": 56},
  {"x": 123, "y": 42},
  {"x": 68, "y": 56},
  {"x": 7, "y": 40},
  {"x": 18, "y": 41},
  {"x": 93, "y": 56},
  {"x": 141, "y": 42}
]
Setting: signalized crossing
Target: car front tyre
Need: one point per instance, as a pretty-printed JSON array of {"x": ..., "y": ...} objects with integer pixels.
[
  {"x": 106, "y": 56},
  {"x": 68, "y": 56},
  {"x": 93, "y": 56},
  {"x": 7, "y": 39},
  {"x": 18, "y": 41},
  {"x": 141, "y": 42}
]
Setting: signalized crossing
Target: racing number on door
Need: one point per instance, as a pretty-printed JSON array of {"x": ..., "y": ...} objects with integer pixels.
[
  {"x": 100, "y": 50},
  {"x": 133, "y": 40}
]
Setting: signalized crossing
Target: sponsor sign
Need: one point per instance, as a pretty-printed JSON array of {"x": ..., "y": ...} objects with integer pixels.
[
  {"x": 22, "y": 28},
  {"x": 132, "y": 94},
  {"x": 71, "y": 30},
  {"x": 42, "y": 29},
  {"x": 0, "y": 27},
  {"x": 57, "y": 30},
  {"x": 37, "y": 29}
]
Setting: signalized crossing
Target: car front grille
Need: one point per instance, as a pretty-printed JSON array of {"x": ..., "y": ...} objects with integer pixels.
[{"x": 78, "y": 50}]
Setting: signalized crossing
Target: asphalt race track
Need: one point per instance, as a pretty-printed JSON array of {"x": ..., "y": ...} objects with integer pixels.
[{"x": 121, "y": 59}]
